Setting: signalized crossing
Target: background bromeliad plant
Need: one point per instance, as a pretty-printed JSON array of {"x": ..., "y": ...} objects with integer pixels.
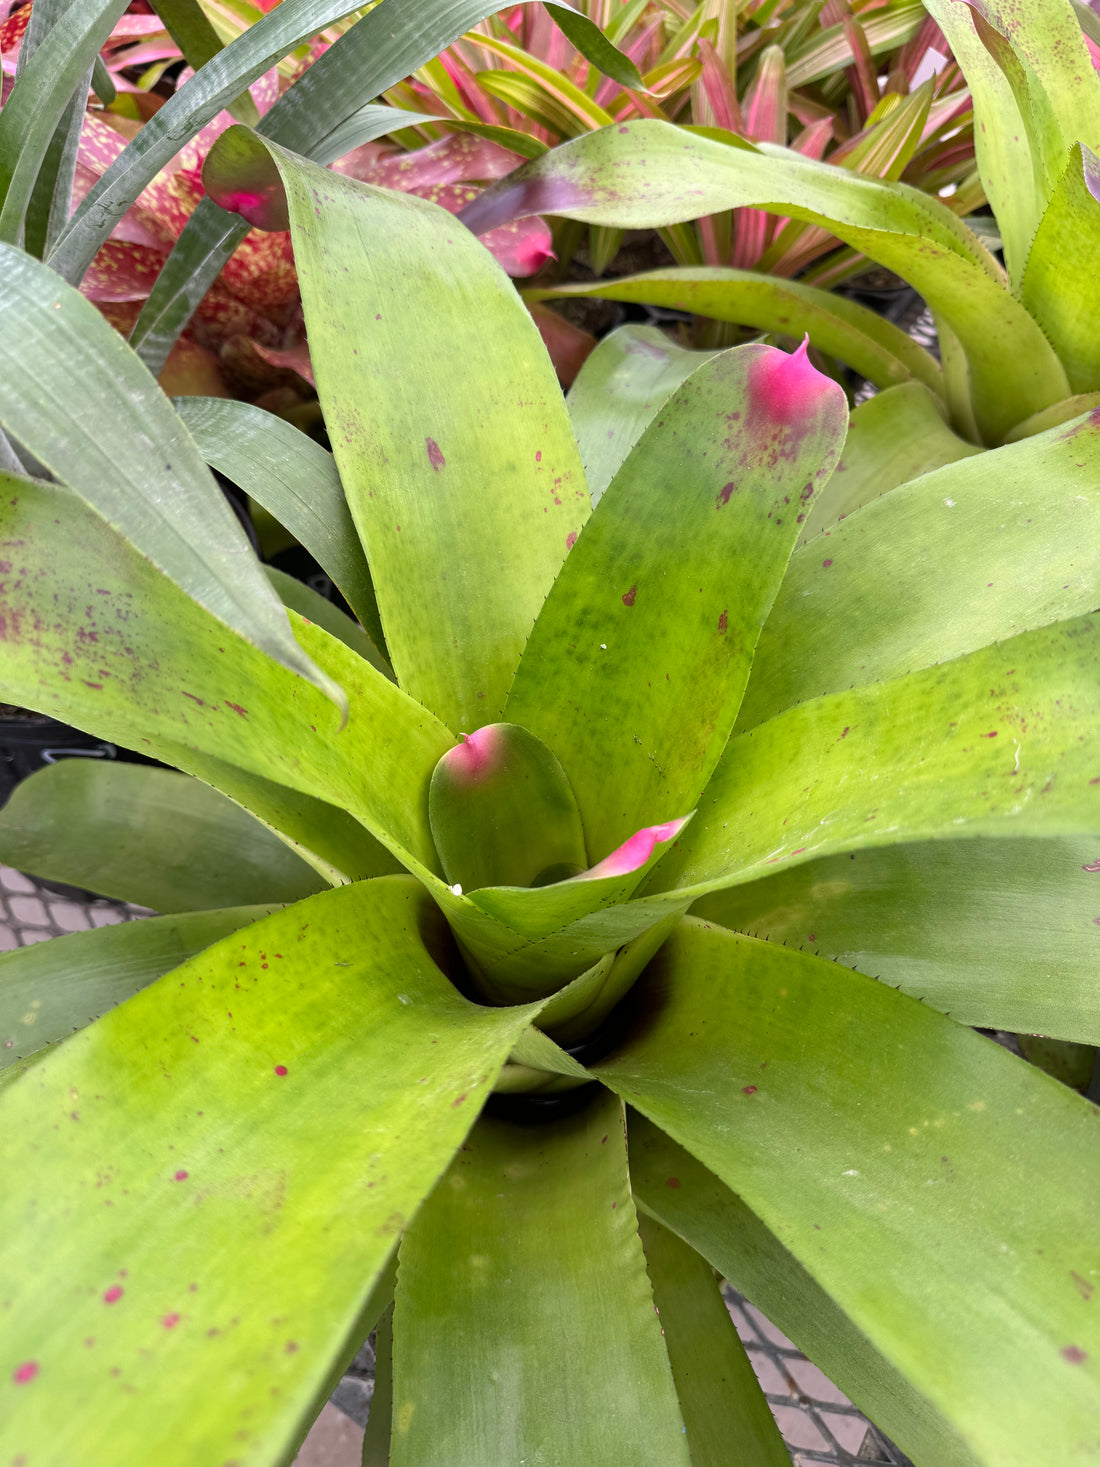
[
  {"x": 509, "y": 1050},
  {"x": 1019, "y": 350}
]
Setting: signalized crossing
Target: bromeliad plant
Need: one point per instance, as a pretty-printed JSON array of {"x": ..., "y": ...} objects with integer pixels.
[
  {"x": 1019, "y": 348},
  {"x": 506, "y": 1074}
]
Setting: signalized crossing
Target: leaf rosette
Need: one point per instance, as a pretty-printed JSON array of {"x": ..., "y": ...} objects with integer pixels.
[{"x": 589, "y": 752}]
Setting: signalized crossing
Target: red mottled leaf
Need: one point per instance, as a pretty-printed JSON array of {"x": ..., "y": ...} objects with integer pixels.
[{"x": 122, "y": 271}]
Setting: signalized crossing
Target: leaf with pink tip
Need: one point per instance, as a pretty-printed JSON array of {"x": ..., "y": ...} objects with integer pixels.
[
  {"x": 676, "y": 177},
  {"x": 635, "y": 669}
]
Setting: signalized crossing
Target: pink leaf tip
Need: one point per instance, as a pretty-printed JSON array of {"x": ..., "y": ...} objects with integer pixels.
[
  {"x": 633, "y": 854},
  {"x": 787, "y": 386},
  {"x": 475, "y": 757}
]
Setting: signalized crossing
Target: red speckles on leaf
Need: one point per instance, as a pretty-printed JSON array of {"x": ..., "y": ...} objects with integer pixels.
[
  {"x": 25, "y": 1373},
  {"x": 673, "y": 1182},
  {"x": 723, "y": 622},
  {"x": 113, "y": 1294},
  {"x": 991, "y": 735},
  {"x": 1092, "y": 866},
  {"x": 628, "y": 596},
  {"x": 291, "y": 1347},
  {"x": 180, "y": 1176},
  {"x": 825, "y": 564},
  {"x": 1074, "y": 1354},
  {"x": 723, "y": 496},
  {"x": 748, "y": 1090},
  {"x": 570, "y": 539},
  {"x": 435, "y": 454},
  {"x": 280, "y": 1070},
  {"x": 171, "y": 1320},
  {"x": 457, "y": 1102},
  {"x": 236, "y": 707}
]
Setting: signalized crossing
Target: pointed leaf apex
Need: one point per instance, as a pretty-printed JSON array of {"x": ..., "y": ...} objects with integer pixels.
[
  {"x": 785, "y": 387},
  {"x": 633, "y": 854}
]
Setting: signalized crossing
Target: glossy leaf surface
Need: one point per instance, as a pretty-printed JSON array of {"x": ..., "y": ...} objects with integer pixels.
[
  {"x": 74, "y": 394},
  {"x": 295, "y": 480},
  {"x": 457, "y": 488},
  {"x": 623, "y": 384},
  {"x": 52, "y": 988},
  {"x": 672, "y": 1186},
  {"x": 894, "y": 1183},
  {"x": 272, "y": 1083},
  {"x": 1002, "y": 740},
  {"x": 893, "y": 437},
  {"x": 673, "y": 176},
  {"x": 530, "y": 1236},
  {"x": 1001, "y": 934},
  {"x": 99, "y": 638},
  {"x": 972, "y": 553},
  {"x": 871, "y": 345},
  {"x": 148, "y": 836},
  {"x": 728, "y": 1420},
  {"x": 636, "y": 666}
]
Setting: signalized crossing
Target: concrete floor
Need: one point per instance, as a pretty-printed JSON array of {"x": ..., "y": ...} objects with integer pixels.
[{"x": 335, "y": 1441}]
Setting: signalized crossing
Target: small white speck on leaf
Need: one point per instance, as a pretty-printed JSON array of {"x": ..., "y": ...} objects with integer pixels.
[{"x": 457, "y": 888}]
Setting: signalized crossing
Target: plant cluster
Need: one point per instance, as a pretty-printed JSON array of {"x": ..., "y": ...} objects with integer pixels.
[{"x": 609, "y": 899}]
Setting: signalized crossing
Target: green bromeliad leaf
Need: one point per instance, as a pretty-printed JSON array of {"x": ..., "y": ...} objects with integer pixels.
[
  {"x": 1001, "y": 934},
  {"x": 724, "y": 1408},
  {"x": 75, "y": 395},
  {"x": 999, "y": 742},
  {"x": 148, "y": 836},
  {"x": 97, "y": 637},
  {"x": 879, "y": 1142},
  {"x": 1010, "y": 537},
  {"x": 528, "y": 1249},
  {"x": 295, "y": 480},
  {"x": 872, "y": 346},
  {"x": 315, "y": 1070},
  {"x": 670, "y": 1185},
  {"x": 636, "y": 666},
  {"x": 677, "y": 176},
  {"x": 471, "y": 487},
  {"x": 618, "y": 392},
  {"x": 37, "y": 105},
  {"x": 1060, "y": 285},
  {"x": 893, "y": 437},
  {"x": 51, "y": 989}
]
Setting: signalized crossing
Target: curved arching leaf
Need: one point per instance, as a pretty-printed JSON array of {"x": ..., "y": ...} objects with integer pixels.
[
  {"x": 879, "y": 1141},
  {"x": 75, "y": 395},
  {"x": 974, "y": 552},
  {"x": 51, "y": 989},
  {"x": 648, "y": 174},
  {"x": 295, "y": 480},
  {"x": 389, "y": 43},
  {"x": 96, "y": 636},
  {"x": 285, "y": 1100},
  {"x": 470, "y": 487},
  {"x": 1001, "y": 934},
  {"x": 869, "y": 344},
  {"x": 149, "y": 836},
  {"x": 521, "y": 1280}
]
